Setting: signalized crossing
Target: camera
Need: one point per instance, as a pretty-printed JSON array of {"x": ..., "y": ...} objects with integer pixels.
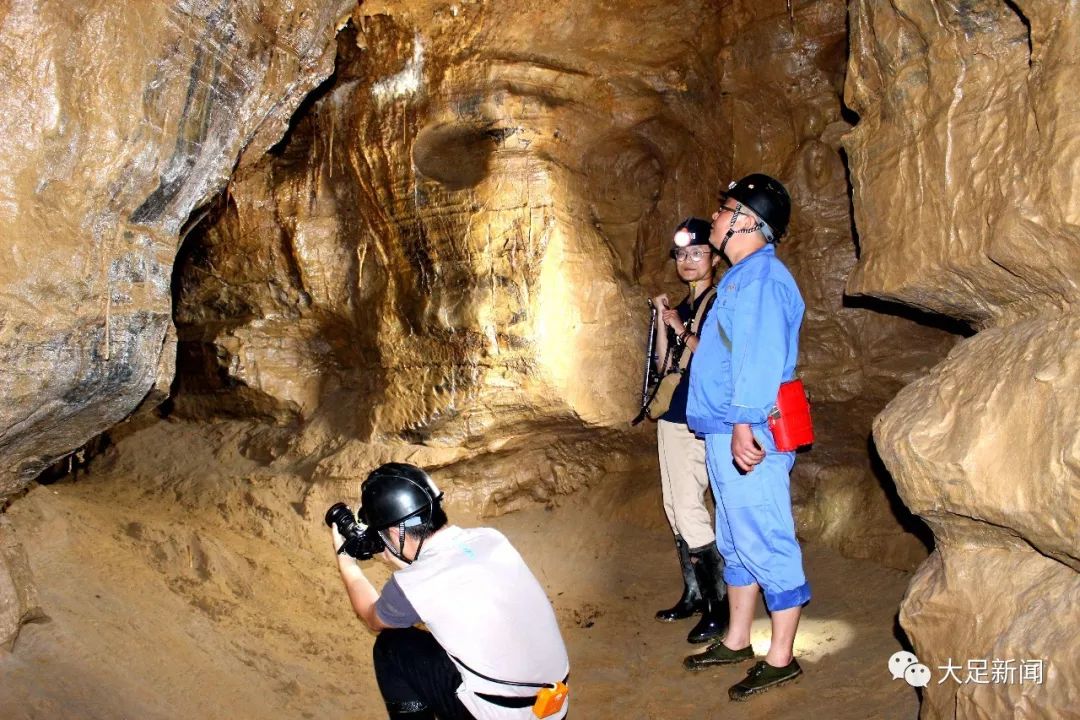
[{"x": 359, "y": 542}]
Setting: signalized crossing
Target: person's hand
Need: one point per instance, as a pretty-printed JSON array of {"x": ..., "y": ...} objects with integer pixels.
[
  {"x": 338, "y": 538},
  {"x": 744, "y": 448},
  {"x": 671, "y": 319},
  {"x": 660, "y": 302}
]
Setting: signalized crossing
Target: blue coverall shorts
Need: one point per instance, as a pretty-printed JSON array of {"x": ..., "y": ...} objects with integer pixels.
[{"x": 755, "y": 531}]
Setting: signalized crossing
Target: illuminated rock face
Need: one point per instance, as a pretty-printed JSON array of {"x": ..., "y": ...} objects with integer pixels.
[
  {"x": 118, "y": 120},
  {"x": 457, "y": 225},
  {"x": 966, "y": 147},
  {"x": 962, "y": 164},
  {"x": 447, "y": 256}
]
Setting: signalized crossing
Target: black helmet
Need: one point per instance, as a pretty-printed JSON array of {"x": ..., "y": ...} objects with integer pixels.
[
  {"x": 691, "y": 231},
  {"x": 395, "y": 492},
  {"x": 768, "y": 199}
]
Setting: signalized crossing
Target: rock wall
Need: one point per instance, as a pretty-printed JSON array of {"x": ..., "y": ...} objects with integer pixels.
[
  {"x": 969, "y": 103},
  {"x": 962, "y": 163},
  {"x": 107, "y": 153},
  {"x": 119, "y": 119}
]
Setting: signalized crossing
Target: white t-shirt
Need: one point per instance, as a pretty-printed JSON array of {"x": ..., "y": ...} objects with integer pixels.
[{"x": 486, "y": 609}]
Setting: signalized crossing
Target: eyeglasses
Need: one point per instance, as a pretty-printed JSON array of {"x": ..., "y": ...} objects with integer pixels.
[
  {"x": 692, "y": 255},
  {"x": 728, "y": 209}
]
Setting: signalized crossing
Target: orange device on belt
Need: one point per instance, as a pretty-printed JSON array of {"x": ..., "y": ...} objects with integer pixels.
[
  {"x": 550, "y": 700},
  {"x": 790, "y": 422}
]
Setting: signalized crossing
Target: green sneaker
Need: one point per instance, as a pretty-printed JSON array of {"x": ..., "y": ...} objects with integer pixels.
[
  {"x": 762, "y": 677},
  {"x": 718, "y": 654}
]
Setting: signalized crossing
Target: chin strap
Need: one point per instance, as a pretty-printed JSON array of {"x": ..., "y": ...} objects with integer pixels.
[
  {"x": 732, "y": 231},
  {"x": 400, "y": 554}
]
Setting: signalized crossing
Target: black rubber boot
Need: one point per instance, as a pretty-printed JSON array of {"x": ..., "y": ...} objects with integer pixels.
[
  {"x": 714, "y": 617},
  {"x": 690, "y": 603}
]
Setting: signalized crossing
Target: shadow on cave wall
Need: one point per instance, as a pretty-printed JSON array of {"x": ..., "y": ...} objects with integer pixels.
[{"x": 925, "y": 318}]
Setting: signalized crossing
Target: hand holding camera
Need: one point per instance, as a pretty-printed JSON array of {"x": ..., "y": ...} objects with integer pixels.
[{"x": 356, "y": 540}]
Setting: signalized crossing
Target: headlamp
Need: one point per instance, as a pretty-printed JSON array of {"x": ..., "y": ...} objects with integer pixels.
[{"x": 683, "y": 238}]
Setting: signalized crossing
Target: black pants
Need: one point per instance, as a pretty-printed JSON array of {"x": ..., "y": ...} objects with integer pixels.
[{"x": 413, "y": 670}]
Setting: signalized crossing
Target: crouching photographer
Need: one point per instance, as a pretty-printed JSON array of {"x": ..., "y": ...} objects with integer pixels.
[{"x": 492, "y": 649}]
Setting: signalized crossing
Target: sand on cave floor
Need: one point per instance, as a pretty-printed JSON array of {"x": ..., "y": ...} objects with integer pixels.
[{"x": 182, "y": 581}]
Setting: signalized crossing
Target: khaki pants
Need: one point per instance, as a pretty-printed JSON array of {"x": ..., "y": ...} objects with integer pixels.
[{"x": 684, "y": 480}]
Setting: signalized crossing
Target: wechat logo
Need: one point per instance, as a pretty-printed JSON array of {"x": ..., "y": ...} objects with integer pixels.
[{"x": 905, "y": 665}]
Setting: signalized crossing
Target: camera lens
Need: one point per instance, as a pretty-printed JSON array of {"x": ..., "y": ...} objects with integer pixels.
[
  {"x": 339, "y": 514},
  {"x": 359, "y": 543}
]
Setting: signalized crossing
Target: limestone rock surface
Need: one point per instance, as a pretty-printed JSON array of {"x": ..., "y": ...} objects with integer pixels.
[
  {"x": 447, "y": 243},
  {"x": 964, "y": 157},
  {"x": 987, "y": 449},
  {"x": 961, "y": 163},
  {"x": 119, "y": 119}
]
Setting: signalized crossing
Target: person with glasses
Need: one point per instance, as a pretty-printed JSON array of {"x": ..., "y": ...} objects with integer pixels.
[
  {"x": 683, "y": 477},
  {"x": 748, "y": 346},
  {"x": 491, "y": 649}
]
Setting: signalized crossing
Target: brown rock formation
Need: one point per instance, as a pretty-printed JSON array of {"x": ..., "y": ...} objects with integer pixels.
[
  {"x": 968, "y": 107},
  {"x": 18, "y": 596},
  {"x": 122, "y": 119},
  {"x": 996, "y": 479},
  {"x": 961, "y": 164},
  {"x": 119, "y": 119}
]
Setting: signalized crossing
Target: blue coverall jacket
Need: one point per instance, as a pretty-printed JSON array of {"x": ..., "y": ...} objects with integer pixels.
[{"x": 747, "y": 345}]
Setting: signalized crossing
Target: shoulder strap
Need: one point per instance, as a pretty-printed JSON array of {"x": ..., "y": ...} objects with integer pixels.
[{"x": 703, "y": 307}]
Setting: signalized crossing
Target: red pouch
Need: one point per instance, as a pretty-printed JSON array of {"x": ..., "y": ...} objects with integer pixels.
[{"x": 790, "y": 421}]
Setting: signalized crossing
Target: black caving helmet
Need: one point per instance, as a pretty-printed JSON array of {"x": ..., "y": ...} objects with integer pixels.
[
  {"x": 396, "y": 492},
  {"x": 691, "y": 231},
  {"x": 769, "y": 200},
  {"x": 401, "y": 495}
]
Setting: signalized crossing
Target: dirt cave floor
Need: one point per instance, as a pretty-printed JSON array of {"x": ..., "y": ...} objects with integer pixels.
[{"x": 181, "y": 580}]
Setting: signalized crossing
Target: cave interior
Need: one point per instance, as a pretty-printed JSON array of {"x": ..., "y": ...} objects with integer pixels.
[{"x": 299, "y": 242}]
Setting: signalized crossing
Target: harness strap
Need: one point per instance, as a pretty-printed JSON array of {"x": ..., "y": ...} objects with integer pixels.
[
  {"x": 508, "y": 701},
  {"x": 695, "y": 324}
]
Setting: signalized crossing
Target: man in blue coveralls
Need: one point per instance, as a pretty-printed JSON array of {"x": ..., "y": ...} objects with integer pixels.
[{"x": 748, "y": 345}]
